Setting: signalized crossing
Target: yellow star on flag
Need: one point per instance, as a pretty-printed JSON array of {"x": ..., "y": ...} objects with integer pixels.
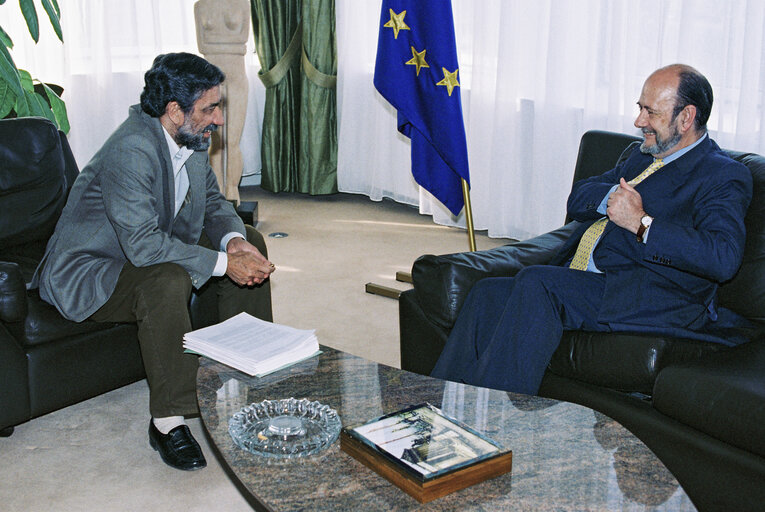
[
  {"x": 450, "y": 80},
  {"x": 418, "y": 59},
  {"x": 396, "y": 22}
]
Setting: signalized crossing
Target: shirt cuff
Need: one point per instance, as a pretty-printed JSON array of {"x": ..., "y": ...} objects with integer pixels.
[
  {"x": 645, "y": 234},
  {"x": 604, "y": 203},
  {"x": 221, "y": 265},
  {"x": 227, "y": 238}
]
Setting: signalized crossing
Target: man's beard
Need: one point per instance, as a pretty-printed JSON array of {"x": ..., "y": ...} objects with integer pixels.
[
  {"x": 194, "y": 141},
  {"x": 661, "y": 146}
]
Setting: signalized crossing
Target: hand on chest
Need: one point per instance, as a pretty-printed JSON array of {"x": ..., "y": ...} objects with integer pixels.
[{"x": 667, "y": 195}]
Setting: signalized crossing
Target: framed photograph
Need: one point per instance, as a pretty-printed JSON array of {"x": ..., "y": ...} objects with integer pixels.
[{"x": 423, "y": 446}]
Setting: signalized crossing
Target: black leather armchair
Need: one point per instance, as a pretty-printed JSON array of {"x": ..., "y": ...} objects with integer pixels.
[{"x": 699, "y": 406}]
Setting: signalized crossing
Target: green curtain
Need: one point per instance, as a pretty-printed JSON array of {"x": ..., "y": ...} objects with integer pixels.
[{"x": 295, "y": 42}]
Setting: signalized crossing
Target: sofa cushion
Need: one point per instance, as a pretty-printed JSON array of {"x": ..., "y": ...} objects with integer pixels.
[
  {"x": 622, "y": 361},
  {"x": 722, "y": 395},
  {"x": 44, "y": 324}
]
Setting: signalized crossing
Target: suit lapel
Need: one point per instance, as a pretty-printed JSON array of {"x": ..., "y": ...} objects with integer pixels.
[
  {"x": 196, "y": 171},
  {"x": 166, "y": 173},
  {"x": 188, "y": 223},
  {"x": 688, "y": 162},
  {"x": 676, "y": 172},
  {"x": 670, "y": 177}
]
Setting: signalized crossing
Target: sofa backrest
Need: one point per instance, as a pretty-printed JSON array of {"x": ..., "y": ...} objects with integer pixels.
[
  {"x": 37, "y": 170},
  {"x": 599, "y": 151},
  {"x": 745, "y": 293}
]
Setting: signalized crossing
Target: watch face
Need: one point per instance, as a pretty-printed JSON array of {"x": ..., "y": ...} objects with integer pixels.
[{"x": 646, "y": 220}]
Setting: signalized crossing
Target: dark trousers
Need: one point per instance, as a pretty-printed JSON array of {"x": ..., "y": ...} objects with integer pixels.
[
  {"x": 157, "y": 299},
  {"x": 509, "y": 327}
]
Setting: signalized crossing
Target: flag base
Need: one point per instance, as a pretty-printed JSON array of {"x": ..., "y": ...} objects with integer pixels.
[{"x": 385, "y": 291}]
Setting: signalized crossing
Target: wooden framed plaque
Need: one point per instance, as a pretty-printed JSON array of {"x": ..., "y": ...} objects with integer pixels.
[{"x": 424, "y": 452}]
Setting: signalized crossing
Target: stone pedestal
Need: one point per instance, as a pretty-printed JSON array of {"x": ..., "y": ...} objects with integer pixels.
[{"x": 222, "y": 30}]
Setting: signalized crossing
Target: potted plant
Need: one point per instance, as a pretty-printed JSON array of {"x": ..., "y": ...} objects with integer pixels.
[{"x": 20, "y": 94}]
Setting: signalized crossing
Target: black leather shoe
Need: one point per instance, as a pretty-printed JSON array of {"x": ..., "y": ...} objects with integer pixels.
[{"x": 178, "y": 448}]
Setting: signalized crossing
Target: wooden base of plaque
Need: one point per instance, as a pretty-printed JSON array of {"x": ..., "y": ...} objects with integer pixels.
[{"x": 424, "y": 491}]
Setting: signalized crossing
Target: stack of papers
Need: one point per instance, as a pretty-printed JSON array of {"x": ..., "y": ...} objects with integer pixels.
[{"x": 251, "y": 345}]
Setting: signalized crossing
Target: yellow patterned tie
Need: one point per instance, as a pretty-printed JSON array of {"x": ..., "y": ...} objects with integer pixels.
[{"x": 591, "y": 236}]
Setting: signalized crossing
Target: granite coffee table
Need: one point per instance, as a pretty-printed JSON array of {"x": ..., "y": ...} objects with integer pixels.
[{"x": 565, "y": 456}]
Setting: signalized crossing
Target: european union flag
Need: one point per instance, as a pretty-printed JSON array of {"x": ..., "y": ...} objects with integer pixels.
[{"x": 417, "y": 72}]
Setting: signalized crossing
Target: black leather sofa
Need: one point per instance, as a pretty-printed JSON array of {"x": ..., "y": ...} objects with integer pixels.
[
  {"x": 46, "y": 361},
  {"x": 700, "y": 407}
]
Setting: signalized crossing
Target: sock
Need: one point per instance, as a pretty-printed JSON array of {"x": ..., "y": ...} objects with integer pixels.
[{"x": 168, "y": 423}]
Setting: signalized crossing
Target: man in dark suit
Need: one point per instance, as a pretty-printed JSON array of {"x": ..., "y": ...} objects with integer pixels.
[
  {"x": 659, "y": 233},
  {"x": 144, "y": 223}
]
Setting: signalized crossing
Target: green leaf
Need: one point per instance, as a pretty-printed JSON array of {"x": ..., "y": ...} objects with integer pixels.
[
  {"x": 30, "y": 15},
  {"x": 22, "y": 107},
  {"x": 5, "y": 38},
  {"x": 59, "y": 109},
  {"x": 26, "y": 80},
  {"x": 8, "y": 72},
  {"x": 53, "y": 16},
  {"x": 58, "y": 11},
  {"x": 38, "y": 106},
  {"x": 42, "y": 108},
  {"x": 7, "y": 100}
]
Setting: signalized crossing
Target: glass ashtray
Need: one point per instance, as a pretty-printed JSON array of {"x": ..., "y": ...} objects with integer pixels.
[{"x": 285, "y": 429}]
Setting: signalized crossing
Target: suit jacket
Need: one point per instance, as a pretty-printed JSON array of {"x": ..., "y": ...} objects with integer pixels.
[
  {"x": 668, "y": 285},
  {"x": 120, "y": 209}
]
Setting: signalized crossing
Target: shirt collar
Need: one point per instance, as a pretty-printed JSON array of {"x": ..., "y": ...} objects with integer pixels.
[
  {"x": 178, "y": 154},
  {"x": 677, "y": 154}
]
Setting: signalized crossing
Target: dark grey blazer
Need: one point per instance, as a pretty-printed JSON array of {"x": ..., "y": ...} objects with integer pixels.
[{"x": 121, "y": 209}]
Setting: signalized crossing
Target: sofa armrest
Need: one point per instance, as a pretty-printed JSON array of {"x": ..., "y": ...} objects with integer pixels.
[
  {"x": 13, "y": 293},
  {"x": 421, "y": 341},
  {"x": 443, "y": 282},
  {"x": 721, "y": 394}
]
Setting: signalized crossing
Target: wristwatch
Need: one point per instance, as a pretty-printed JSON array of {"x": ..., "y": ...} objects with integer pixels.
[{"x": 645, "y": 223}]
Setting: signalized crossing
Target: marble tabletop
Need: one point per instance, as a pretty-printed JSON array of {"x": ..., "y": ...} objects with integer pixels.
[{"x": 565, "y": 456}]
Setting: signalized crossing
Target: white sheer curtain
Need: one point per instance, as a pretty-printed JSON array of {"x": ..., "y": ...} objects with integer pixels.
[
  {"x": 534, "y": 77},
  {"x": 108, "y": 46}
]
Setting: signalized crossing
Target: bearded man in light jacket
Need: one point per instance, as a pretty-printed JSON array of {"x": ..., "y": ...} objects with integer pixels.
[{"x": 144, "y": 223}]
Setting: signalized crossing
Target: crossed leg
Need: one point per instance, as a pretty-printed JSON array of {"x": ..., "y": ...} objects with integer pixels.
[{"x": 508, "y": 328}]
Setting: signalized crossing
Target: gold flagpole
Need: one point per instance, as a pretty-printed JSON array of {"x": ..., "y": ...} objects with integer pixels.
[
  {"x": 468, "y": 214},
  {"x": 406, "y": 277}
]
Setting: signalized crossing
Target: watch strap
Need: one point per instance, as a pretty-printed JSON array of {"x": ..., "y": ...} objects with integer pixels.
[{"x": 641, "y": 232}]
